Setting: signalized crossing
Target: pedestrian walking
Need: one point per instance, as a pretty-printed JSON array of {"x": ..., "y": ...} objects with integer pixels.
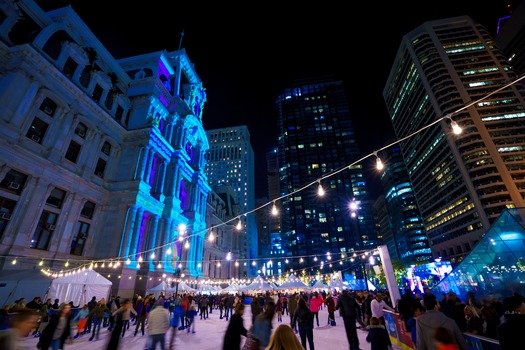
[
  {"x": 232, "y": 337},
  {"x": 20, "y": 326},
  {"x": 97, "y": 315},
  {"x": 304, "y": 318},
  {"x": 57, "y": 330},
  {"x": 122, "y": 317},
  {"x": 349, "y": 311},
  {"x": 158, "y": 325},
  {"x": 262, "y": 328},
  {"x": 142, "y": 308}
]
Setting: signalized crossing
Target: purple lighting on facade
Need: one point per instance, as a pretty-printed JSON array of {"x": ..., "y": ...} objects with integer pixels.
[
  {"x": 183, "y": 195},
  {"x": 142, "y": 232},
  {"x": 154, "y": 169}
]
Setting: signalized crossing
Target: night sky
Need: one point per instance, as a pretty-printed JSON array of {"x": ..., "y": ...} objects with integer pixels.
[{"x": 244, "y": 54}]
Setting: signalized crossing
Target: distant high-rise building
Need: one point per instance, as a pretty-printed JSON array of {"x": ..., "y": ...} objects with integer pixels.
[
  {"x": 401, "y": 227},
  {"x": 316, "y": 138},
  {"x": 462, "y": 183},
  {"x": 230, "y": 161}
]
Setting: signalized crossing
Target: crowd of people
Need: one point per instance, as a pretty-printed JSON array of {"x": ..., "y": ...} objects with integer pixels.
[{"x": 434, "y": 323}]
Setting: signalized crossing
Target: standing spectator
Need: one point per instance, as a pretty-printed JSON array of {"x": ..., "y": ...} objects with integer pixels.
[
  {"x": 330, "y": 305},
  {"x": 315, "y": 304},
  {"x": 124, "y": 314},
  {"x": 112, "y": 306},
  {"x": 256, "y": 310},
  {"x": 349, "y": 311},
  {"x": 454, "y": 310},
  {"x": 142, "y": 308},
  {"x": 284, "y": 339},
  {"x": 366, "y": 307},
  {"x": 232, "y": 337},
  {"x": 473, "y": 319},
  {"x": 45, "y": 311},
  {"x": 96, "y": 315},
  {"x": 91, "y": 305},
  {"x": 20, "y": 326},
  {"x": 292, "y": 307},
  {"x": 305, "y": 320},
  {"x": 18, "y": 305},
  {"x": 57, "y": 330},
  {"x": 378, "y": 336},
  {"x": 35, "y": 304},
  {"x": 262, "y": 328},
  {"x": 158, "y": 325},
  {"x": 284, "y": 300},
  {"x": 378, "y": 306},
  {"x": 509, "y": 332},
  {"x": 176, "y": 311},
  {"x": 192, "y": 312},
  {"x": 411, "y": 322},
  {"x": 428, "y": 322},
  {"x": 203, "y": 307},
  {"x": 228, "y": 305},
  {"x": 279, "y": 310},
  {"x": 56, "y": 304}
]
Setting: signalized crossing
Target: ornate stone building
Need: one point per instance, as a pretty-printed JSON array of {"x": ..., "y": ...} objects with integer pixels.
[{"x": 100, "y": 159}]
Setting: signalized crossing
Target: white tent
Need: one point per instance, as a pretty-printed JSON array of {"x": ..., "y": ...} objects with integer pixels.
[
  {"x": 162, "y": 287},
  {"x": 292, "y": 282},
  {"x": 80, "y": 287},
  {"x": 15, "y": 284},
  {"x": 258, "y": 284},
  {"x": 181, "y": 287},
  {"x": 319, "y": 285}
]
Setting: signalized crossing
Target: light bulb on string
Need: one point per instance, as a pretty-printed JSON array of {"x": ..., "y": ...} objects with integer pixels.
[
  {"x": 140, "y": 259},
  {"x": 168, "y": 251},
  {"x": 187, "y": 245},
  {"x": 211, "y": 237},
  {"x": 320, "y": 189},
  {"x": 239, "y": 224},
  {"x": 456, "y": 129},
  {"x": 41, "y": 263},
  {"x": 128, "y": 261},
  {"x": 152, "y": 256},
  {"x": 274, "y": 209},
  {"x": 159, "y": 266},
  {"x": 66, "y": 264},
  {"x": 379, "y": 163},
  {"x": 14, "y": 261}
]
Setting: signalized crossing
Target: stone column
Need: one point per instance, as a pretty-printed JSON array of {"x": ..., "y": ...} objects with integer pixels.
[
  {"x": 151, "y": 154},
  {"x": 135, "y": 233}
]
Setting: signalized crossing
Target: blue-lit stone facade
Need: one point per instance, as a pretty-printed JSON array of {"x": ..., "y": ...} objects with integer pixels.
[{"x": 101, "y": 159}]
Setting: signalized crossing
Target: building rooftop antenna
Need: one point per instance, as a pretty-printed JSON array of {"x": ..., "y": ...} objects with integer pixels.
[{"x": 181, "y": 36}]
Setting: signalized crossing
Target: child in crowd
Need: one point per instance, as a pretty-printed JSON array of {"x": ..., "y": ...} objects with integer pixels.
[
  {"x": 82, "y": 319},
  {"x": 378, "y": 336},
  {"x": 443, "y": 339}
]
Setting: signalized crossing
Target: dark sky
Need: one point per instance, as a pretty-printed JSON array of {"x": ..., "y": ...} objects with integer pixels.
[{"x": 243, "y": 54}]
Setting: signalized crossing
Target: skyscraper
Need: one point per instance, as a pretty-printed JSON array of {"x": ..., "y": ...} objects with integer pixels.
[
  {"x": 401, "y": 224},
  {"x": 230, "y": 161},
  {"x": 316, "y": 138},
  {"x": 452, "y": 70}
]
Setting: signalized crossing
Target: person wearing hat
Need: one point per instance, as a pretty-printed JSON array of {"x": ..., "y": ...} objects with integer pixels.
[{"x": 509, "y": 332}]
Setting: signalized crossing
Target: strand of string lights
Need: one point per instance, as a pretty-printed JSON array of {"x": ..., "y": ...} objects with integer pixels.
[{"x": 117, "y": 260}]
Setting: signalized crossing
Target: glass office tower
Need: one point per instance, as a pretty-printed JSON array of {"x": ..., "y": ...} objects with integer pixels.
[
  {"x": 316, "y": 138},
  {"x": 462, "y": 183}
]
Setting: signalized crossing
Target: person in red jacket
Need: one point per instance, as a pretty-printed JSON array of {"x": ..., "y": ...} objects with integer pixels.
[{"x": 315, "y": 304}]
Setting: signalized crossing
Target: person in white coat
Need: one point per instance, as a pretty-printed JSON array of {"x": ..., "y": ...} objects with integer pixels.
[{"x": 158, "y": 325}]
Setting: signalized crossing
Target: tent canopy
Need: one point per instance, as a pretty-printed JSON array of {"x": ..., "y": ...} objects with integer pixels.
[
  {"x": 80, "y": 287},
  {"x": 258, "y": 284},
  {"x": 161, "y": 287},
  {"x": 16, "y": 284},
  {"x": 182, "y": 287},
  {"x": 319, "y": 285},
  {"x": 292, "y": 282}
]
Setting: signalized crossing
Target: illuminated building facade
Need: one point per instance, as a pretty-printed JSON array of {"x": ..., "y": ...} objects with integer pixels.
[
  {"x": 462, "y": 183},
  {"x": 230, "y": 161},
  {"x": 101, "y": 159},
  {"x": 316, "y": 137},
  {"x": 401, "y": 226}
]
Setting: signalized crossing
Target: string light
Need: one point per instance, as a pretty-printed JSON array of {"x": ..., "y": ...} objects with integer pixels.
[
  {"x": 168, "y": 252},
  {"x": 211, "y": 237},
  {"x": 239, "y": 224},
  {"x": 274, "y": 209},
  {"x": 320, "y": 189},
  {"x": 379, "y": 163}
]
